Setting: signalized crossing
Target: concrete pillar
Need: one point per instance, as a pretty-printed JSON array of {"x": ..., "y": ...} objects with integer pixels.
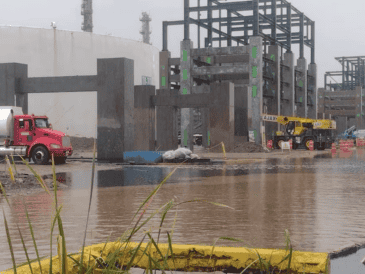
[
  {"x": 204, "y": 113},
  {"x": 274, "y": 105},
  {"x": 21, "y": 73},
  {"x": 359, "y": 108},
  {"x": 301, "y": 88},
  {"x": 115, "y": 119},
  {"x": 164, "y": 70},
  {"x": 186, "y": 83},
  {"x": 11, "y": 84},
  {"x": 222, "y": 115},
  {"x": 321, "y": 101},
  {"x": 144, "y": 118},
  {"x": 288, "y": 95},
  {"x": 254, "y": 109},
  {"x": 341, "y": 124},
  {"x": 312, "y": 91},
  {"x": 240, "y": 113},
  {"x": 165, "y": 117}
]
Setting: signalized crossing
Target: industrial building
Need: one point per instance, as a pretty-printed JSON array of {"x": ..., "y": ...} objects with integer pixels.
[
  {"x": 53, "y": 52},
  {"x": 258, "y": 61},
  {"x": 342, "y": 96}
]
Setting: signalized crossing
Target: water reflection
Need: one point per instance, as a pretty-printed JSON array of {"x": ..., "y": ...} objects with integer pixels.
[{"x": 320, "y": 201}]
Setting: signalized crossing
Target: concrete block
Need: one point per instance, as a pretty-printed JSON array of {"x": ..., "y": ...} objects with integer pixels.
[
  {"x": 114, "y": 81},
  {"x": 222, "y": 115},
  {"x": 12, "y": 77},
  {"x": 240, "y": 111},
  {"x": 166, "y": 125},
  {"x": 144, "y": 118}
]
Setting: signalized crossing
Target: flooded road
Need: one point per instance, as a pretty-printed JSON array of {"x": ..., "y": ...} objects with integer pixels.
[{"x": 320, "y": 201}]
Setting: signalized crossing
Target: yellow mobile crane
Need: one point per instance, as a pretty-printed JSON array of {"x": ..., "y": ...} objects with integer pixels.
[{"x": 303, "y": 130}]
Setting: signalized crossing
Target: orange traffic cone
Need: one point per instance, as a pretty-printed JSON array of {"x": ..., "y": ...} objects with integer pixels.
[{"x": 333, "y": 149}]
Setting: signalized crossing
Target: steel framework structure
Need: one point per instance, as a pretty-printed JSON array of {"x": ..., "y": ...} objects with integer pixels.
[
  {"x": 279, "y": 17},
  {"x": 145, "y": 27},
  {"x": 87, "y": 12},
  {"x": 352, "y": 74}
]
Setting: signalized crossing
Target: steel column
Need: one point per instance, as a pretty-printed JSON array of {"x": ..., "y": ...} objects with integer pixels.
[
  {"x": 186, "y": 19},
  {"x": 273, "y": 16},
  {"x": 301, "y": 36},
  {"x": 313, "y": 36}
]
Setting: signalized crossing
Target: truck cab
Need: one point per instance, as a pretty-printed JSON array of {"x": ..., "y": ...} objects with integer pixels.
[
  {"x": 41, "y": 140},
  {"x": 31, "y": 136}
]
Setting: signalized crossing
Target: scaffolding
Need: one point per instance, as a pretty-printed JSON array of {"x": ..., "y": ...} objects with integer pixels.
[
  {"x": 87, "y": 12},
  {"x": 145, "y": 27},
  {"x": 351, "y": 76},
  {"x": 277, "y": 21}
]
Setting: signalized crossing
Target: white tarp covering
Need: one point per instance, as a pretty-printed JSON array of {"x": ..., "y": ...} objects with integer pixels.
[{"x": 180, "y": 153}]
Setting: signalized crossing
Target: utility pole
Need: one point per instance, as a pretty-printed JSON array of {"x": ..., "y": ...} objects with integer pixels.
[
  {"x": 145, "y": 27},
  {"x": 87, "y": 12}
]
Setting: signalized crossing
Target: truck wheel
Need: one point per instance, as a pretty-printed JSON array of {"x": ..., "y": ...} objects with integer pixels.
[
  {"x": 60, "y": 160},
  {"x": 307, "y": 144},
  {"x": 278, "y": 143},
  {"x": 40, "y": 155}
]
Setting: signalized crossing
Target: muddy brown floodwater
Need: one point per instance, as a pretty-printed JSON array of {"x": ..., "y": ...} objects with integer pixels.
[{"x": 320, "y": 201}]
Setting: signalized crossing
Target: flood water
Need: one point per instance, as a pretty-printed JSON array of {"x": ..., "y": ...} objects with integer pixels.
[{"x": 320, "y": 201}]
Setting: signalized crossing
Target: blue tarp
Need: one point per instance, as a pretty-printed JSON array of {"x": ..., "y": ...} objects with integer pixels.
[{"x": 143, "y": 157}]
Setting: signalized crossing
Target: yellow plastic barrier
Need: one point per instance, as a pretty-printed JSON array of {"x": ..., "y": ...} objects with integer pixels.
[{"x": 191, "y": 258}]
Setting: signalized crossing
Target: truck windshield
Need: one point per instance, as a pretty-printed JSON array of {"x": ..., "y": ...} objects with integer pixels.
[{"x": 41, "y": 123}]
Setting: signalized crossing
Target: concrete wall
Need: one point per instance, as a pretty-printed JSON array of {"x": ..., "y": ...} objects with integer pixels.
[{"x": 51, "y": 52}]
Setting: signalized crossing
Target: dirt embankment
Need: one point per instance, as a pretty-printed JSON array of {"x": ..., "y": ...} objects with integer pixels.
[
  {"x": 27, "y": 182},
  {"x": 82, "y": 143},
  {"x": 239, "y": 147}
]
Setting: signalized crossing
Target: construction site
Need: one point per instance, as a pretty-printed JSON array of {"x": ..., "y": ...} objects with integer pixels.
[{"x": 236, "y": 115}]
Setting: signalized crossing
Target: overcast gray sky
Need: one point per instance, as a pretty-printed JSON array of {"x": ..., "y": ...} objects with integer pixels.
[{"x": 339, "y": 24}]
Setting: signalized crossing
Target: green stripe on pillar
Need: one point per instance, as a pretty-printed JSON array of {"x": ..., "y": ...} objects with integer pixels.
[
  {"x": 185, "y": 74},
  {"x": 163, "y": 81},
  {"x": 254, "y": 71},
  {"x": 254, "y": 91},
  {"x": 185, "y": 91},
  {"x": 185, "y": 138},
  {"x": 254, "y": 52},
  {"x": 185, "y": 55},
  {"x": 208, "y": 60},
  {"x": 255, "y": 134},
  {"x": 208, "y": 138}
]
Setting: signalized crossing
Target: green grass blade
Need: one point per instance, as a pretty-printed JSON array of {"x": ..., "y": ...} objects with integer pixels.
[
  {"x": 156, "y": 246},
  {"x": 54, "y": 182},
  {"x": 9, "y": 242},
  {"x": 249, "y": 266},
  {"x": 153, "y": 193},
  {"x": 10, "y": 169},
  {"x": 25, "y": 249},
  {"x": 204, "y": 201},
  {"x": 134, "y": 254},
  {"x": 170, "y": 248},
  {"x": 32, "y": 233},
  {"x": 88, "y": 211},
  {"x": 14, "y": 166},
  {"x": 52, "y": 228},
  {"x": 4, "y": 193},
  {"x": 38, "y": 177}
]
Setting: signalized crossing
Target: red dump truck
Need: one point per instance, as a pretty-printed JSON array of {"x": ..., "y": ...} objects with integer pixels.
[{"x": 32, "y": 137}]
